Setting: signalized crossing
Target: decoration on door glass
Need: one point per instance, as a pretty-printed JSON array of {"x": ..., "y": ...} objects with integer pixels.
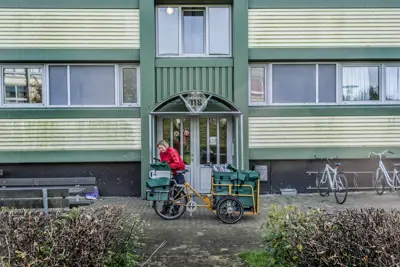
[
  {"x": 213, "y": 140},
  {"x": 196, "y": 101},
  {"x": 178, "y": 128}
]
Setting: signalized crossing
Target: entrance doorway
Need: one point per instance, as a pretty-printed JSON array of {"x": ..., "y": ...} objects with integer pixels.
[
  {"x": 203, "y": 127},
  {"x": 199, "y": 140}
]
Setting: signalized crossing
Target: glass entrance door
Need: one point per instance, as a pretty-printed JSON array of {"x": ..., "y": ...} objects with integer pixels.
[
  {"x": 215, "y": 146},
  {"x": 199, "y": 140},
  {"x": 178, "y": 133}
]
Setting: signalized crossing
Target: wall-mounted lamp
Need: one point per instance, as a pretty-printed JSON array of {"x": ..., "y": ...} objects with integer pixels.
[{"x": 170, "y": 10}]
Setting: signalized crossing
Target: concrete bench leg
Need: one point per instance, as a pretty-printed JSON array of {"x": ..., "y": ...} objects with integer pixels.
[{"x": 45, "y": 201}]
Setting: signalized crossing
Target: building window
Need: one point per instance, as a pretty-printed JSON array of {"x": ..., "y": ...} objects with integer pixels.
[
  {"x": 324, "y": 84},
  {"x": 360, "y": 83},
  {"x": 107, "y": 85},
  {"x": 293, "y": 84},
  {"x": 129, "y": 85},
  {"x": 193, "y": 31},
  {"x": 92, "y": 85},
  {"x": 257, "y": 85},
  {"x": 22, "y": 85},
  {"x": 392, "y": 83}
]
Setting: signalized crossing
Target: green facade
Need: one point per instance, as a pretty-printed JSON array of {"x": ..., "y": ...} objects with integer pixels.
[
  {"x": 174, "y": 80},
  {"x": 160, "y": 78}
]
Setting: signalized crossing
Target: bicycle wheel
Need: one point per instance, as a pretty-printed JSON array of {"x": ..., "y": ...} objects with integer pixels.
[
  {"x": 174, "y": 208},
  {"x": 341, "y": 189},
  {"x": 397, "y": 184},
  {"x": 230, "y": 210},
  {"x": 322, "y": 184},
  {"x": 379, "y": 182}
]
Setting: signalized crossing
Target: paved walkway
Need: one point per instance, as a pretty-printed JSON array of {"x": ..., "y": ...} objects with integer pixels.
[{"x": 203, "y": 240}]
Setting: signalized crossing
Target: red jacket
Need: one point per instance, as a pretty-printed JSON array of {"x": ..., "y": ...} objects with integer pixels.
[{"x": 171, "y": 156}]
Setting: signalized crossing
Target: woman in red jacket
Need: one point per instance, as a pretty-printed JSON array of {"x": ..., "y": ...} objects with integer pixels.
[{"x": 171, "y": 156}]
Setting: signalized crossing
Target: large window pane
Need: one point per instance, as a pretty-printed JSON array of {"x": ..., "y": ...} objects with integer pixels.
[
  {"x": 326, "y": 83},
  {"x": 92, "y": 85},
  {"x": 22, "y": 85},
  {"x": 257, "y": 85},
  {"x": 360, "y": 83},
  {"x": 193, "y": 31},
  {"x": 168, "y": 31},
  {"x": 293, "y": 83},
  {"x": 58, "y": 85},
  {"x": 392, "y": 83},
  {"x": 129, "y": 85},
  {"x": 219, "y": 30}
]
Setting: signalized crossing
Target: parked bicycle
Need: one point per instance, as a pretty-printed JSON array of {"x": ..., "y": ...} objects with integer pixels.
[
  {"x": 330, "y": 180},
  {"x": 381, "y": 174}
]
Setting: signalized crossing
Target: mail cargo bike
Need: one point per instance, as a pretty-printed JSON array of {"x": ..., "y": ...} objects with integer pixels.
[{"x": 233, "y": 193}]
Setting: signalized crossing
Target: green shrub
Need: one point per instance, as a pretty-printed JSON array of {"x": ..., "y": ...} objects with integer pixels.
[
  {"x": 367, "y": 237},
  {"x": 101, "y": 236}
]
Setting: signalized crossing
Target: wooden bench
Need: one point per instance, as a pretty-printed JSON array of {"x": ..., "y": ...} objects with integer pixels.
[
  {"x": 54, "y": 186},
  {"x": 34, "y": 198}
]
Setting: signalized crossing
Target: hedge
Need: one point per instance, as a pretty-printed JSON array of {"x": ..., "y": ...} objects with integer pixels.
[{"x": 100, "y": 236}]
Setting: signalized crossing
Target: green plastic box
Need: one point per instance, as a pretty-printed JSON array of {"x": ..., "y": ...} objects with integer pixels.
[
  {"x": 157, "y": 195},
  {"x": 157, "y": 189}
]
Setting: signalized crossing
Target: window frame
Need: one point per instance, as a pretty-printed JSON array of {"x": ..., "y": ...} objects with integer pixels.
[
  {"x": 266, "y": 91},
  {"x": 206, "y": 27},
  {"x": 339, "y": 90},
  {"x": 121, "y": 88},
  {"x": 339, "y": 85},
  {"x": 23, "y": 105},
  {"x": 118, "y": 89},
  {"x": 383, "y": 73}
]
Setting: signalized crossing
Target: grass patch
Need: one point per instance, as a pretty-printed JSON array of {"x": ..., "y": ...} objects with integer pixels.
[{"x": 255, "y": 258}]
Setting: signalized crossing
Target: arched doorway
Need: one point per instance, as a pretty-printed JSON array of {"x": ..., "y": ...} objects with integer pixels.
[{"x": 203, "y": 127}]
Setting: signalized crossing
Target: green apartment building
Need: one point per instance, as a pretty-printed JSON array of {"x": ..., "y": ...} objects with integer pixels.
[{"x": 89, "y": 86}]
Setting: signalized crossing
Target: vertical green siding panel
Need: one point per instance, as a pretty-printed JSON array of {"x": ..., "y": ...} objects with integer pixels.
[
  {"x": 240, "y": 54},
  {"x": 185, "y": 78},
  {"x": 224, "y": 81},
  {"x": 210, "y": 78},
  {"x": 178, "y": 79},
  {"x": 191, "y": 80},
  {"x": 173, "y": 80},
  {"x": 147, "y": 78},
  {"x": 204, "y": 76},
  {"x": 229, "y": 83},
  {"x": 216, "y": 81}
]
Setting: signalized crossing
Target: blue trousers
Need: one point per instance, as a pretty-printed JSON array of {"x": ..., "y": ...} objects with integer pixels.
[{"x": 179, "y": 178}]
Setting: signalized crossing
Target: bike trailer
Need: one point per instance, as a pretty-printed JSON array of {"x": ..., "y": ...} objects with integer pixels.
[{"x": 244, "y": 184}]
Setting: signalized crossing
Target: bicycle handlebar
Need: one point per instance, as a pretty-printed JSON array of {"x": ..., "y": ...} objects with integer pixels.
[{"x": 380, "y": 154}]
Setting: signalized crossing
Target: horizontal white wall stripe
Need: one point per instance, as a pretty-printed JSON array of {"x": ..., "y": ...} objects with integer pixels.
[
  {"x": 324, "y": 27},
  {"x": 349, "y": 131},
  {"x": 69, "y": 28},
  {"x": 70, "y": 134}
]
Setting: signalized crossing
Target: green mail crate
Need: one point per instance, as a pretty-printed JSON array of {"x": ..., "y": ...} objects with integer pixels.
[
  {"x": 157, "y": 189},
  {"x": 160, "y": 166}
]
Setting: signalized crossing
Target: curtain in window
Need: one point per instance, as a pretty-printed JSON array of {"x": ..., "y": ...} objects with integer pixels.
[
  {"x": 360, "y": 83},
  {"x": 193, "y": 32},
  {"x": 392, "y": 83}
]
